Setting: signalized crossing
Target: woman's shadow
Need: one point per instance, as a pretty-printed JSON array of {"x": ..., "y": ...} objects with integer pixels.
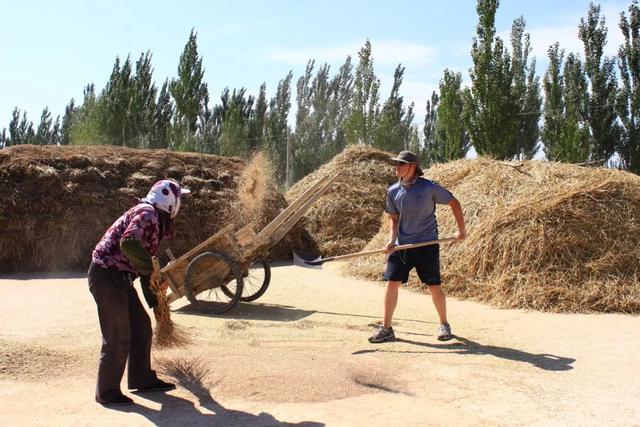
[{"x": 191, "y": 374}]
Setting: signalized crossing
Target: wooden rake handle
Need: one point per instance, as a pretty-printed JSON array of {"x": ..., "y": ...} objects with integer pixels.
[{"x": 377, "y": 251}]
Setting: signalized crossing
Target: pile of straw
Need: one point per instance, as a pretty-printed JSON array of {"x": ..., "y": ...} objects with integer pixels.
[
  {"x": 345, "y": 218},
  {"x": 542, "y": 235},
  {"x": 58, "y": 201}
]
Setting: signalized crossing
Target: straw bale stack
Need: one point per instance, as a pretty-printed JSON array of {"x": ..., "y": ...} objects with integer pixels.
[
  {"x": 542, "y": 235},
  {"x": 346, "y": 217},
  {"x": 58, "y": 201}
]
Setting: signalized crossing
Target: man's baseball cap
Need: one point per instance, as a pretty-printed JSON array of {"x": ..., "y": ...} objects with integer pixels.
[{"x": 408, "y": 157}]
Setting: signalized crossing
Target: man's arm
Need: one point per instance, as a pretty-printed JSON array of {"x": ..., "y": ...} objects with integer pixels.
[
  {"x": 454, "y": 204},
  {"x": 393, "y": 231}
]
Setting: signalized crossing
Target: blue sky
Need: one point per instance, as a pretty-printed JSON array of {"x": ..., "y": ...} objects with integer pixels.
[{"x": 50, "y": 50}]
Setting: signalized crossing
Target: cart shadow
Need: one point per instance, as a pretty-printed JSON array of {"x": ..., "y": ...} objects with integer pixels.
[
  {"x": 255, "y": 311},
  {"x": 179, "y": 411},
  {"x": 464, "y": 346}
]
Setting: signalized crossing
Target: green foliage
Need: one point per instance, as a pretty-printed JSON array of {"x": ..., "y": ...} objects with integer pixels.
[
  {"x": 142, "y": 103},
  {"x": 628, "y": 101},
  {"x": 503, "y": 106},
  {"x": 565, "y": 133},
  {"x": 277, "y": 130},
  {"x": 525, "y": 88},
  {"x": 67, "y": 120},
  {"x": 86, "y": 121},
  {"x": 113, "y": 107},
  {"x": 446, "y": 136},
  {"x": 44, "y": 133},
  {"x": 601, "y": 114},
  {"x": 160, "y": 136},
  {"x": 189, "y": 90},
  {"x": 360, "y": 125},
  {"x": 392, "y": 128},
  {"x": 235, "y": 123},
  {"x": 489, "y": 105},
  {"x": 257, "y": 120},
  {"x": 20, "y": 130}
]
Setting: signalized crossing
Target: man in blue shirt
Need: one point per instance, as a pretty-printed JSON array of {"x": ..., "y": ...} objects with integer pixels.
[{"x": 411, "y": 205}]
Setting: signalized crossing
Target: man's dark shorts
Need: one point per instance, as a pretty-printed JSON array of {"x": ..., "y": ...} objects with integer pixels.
[{"x": 426, "y": 260}]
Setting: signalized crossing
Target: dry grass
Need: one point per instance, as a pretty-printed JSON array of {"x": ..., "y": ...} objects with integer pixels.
[
  {"x": 31, "y": 362},
  {"x": 190, "y": 373},
  {"x": 542, "y": 235},
  {"x": 66, "y": 197},
  {"x": 345, "y": 218}
]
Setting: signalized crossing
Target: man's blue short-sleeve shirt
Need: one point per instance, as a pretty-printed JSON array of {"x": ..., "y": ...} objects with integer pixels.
[{"x": 416, "y": 207}]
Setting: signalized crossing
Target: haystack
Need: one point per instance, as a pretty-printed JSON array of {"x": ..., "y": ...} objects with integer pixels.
[
  {"x": 347, "y": 216},
  {"x": 58, "y": 201},
  {"x": 542, "y": 235}
]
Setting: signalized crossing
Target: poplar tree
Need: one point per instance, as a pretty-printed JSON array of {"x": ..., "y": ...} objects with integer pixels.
[
  {"x": 257, "y": 121},
  {"x": 233, "y": 141},
  {"x": 277, "y": 129},
  {"x": 341, "y": 94},
  {"x": 628, "y": 102},
  {"x": 87, "y": 126},
  {"x": 56, "y": 134},
  {"x": 601, "y": 114},
  {"x": 142, "y": 102},
  {"x": 162, "y": 119},
  {"x": 67, "y": 120},
  {"x": 189, "y": 90},
  {"x": 490, "y": 109},
  {"x": 303, "y": 147},
  {"x": 446, "y": 138},
  {"x": 391, "y": 131},
  {"x": 114, "y": 105},
  {"x": 553, "y": 85},
  {"x": 525, "y": 91},
  {"x": 360, "y": 125},
  {"x": 314, "y": 126},
  {"x": 44, "y": 133},
  {"x": 429, "y": 150},
  {"x": 15, "y": 138}
]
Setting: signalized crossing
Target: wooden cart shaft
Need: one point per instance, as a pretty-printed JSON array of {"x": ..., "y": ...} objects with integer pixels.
[{"x": 240, "y": 244}]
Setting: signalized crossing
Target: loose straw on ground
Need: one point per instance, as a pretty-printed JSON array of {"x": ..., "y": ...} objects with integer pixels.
[{"x": 167, "y": 333}]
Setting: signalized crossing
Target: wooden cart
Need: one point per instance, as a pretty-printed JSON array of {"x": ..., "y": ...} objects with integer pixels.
[{"x": 213, "y": 274}]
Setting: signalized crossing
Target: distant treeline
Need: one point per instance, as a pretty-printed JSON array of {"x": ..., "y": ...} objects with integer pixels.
[{"x": 586, "y": 109}]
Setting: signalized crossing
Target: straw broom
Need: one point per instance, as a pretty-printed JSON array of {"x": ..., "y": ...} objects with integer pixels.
[{"x": 167, "y": 333}]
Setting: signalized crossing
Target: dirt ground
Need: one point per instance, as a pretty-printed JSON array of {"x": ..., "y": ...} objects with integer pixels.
[{"x": 299, "y": 356}]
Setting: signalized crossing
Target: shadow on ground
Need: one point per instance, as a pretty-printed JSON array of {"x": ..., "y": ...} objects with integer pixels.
[
  {"x": 255, "y": 311},
  {"x": 178, "y": 411},
  {"x": 193, "y": 376},
  {"x": 464, "y": 346}
]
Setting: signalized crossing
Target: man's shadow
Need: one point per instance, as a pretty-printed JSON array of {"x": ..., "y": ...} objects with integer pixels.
[
  {"x": 548, "y": 362},
  {"x": 191, "y": 375}
]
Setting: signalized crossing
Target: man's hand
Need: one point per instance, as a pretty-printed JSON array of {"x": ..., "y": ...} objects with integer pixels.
[
  {"x": 388, "y": 248},
  {"x": 461, "y": 235}
]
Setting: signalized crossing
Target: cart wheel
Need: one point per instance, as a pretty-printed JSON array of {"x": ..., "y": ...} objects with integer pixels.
[
  {"x": 217, "y": 297},
  {"x": 256, "y": 281}
]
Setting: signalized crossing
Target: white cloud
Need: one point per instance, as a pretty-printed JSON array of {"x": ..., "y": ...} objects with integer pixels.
[{"x": 383, "y": 52}]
